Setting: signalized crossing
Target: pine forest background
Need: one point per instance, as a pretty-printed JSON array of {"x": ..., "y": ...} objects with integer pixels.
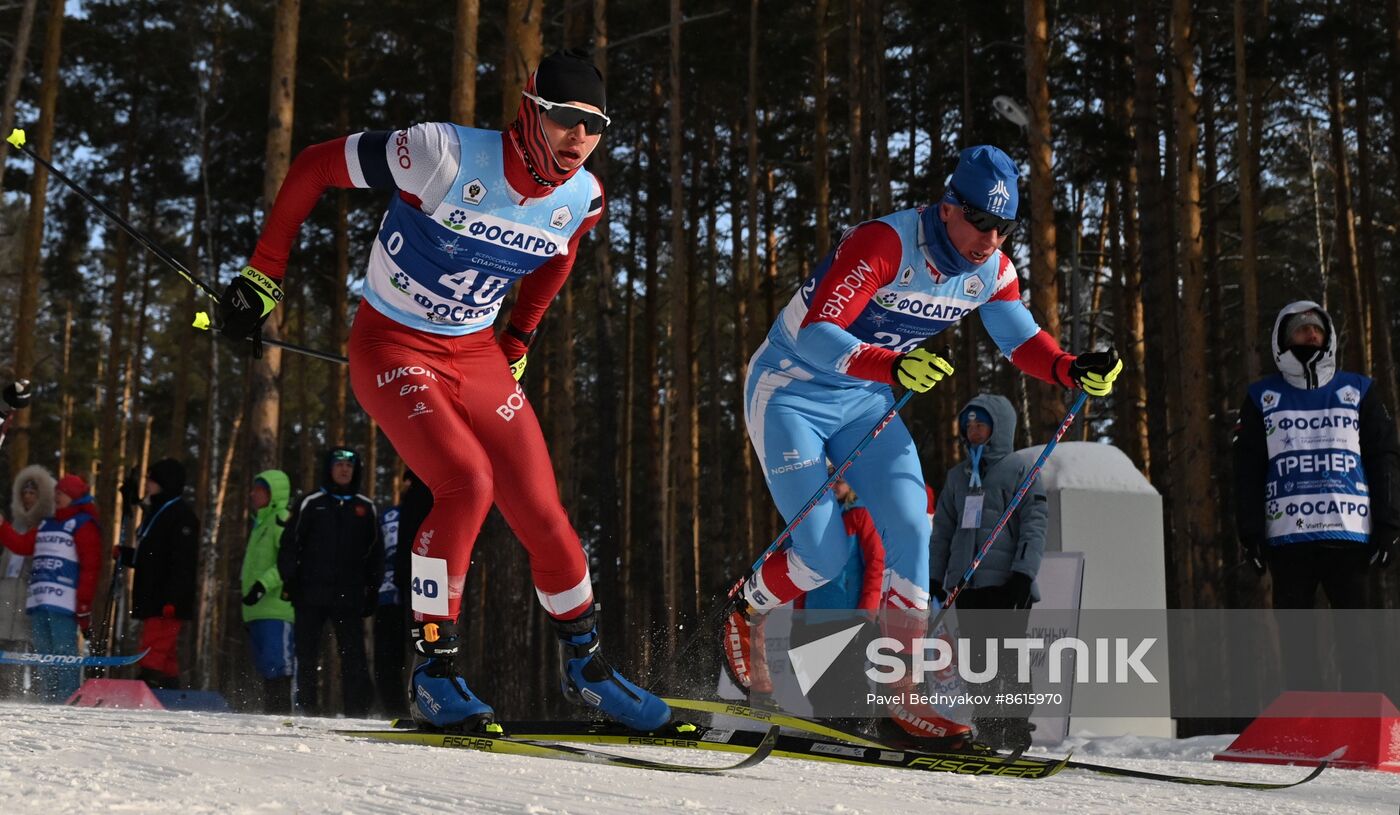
[{"x": 1188, "y": 168}]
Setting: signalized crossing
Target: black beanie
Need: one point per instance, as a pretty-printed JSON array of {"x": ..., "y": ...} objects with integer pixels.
[
  {"x": 570, "y": 76},
  {"x": 170, "y": 475}
]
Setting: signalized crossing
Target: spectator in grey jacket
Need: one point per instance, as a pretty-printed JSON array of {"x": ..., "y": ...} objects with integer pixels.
[
  {"x": 974, "y": 495},
  {"x": 31, "y": 502}
]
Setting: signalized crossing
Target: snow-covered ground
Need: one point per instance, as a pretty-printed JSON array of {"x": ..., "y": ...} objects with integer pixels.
[{"x": 56, "y": 760}]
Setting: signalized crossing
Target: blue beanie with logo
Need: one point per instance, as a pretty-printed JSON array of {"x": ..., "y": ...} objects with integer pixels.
[
  {"x": 986, "y": 179},
  {"x": 974, "y": 413}
]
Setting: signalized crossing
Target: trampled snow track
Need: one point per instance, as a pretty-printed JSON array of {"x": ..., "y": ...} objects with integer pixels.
[{"x": 56, "y": 760}]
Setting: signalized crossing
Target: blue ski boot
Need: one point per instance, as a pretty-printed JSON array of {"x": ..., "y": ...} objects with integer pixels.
[
  {"x": 590, "y": 680},
  {"x": 438, "y": 696}
]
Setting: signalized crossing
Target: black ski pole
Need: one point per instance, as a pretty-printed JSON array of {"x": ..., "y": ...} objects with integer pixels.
[{"x": 16, "y": 138}]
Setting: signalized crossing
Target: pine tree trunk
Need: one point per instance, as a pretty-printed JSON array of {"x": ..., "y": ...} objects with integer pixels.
[
  {"x": 855, "y": 83},
  {"x": 95, "y": 447},
  {"x": 969, "y": 112},
  {"x": 1132, "y": 400},
  {"x": 821, "y": 174},
  {"x": 1218, "y": 348},
  {"x": 682, "y": 280},
  {"x": 371, "y": 483},
  {"x": 1392, "y": 12},
  {"x": 1355, "y": 345},
  {"x": 880, "y": 107},
  {"x": 747, "y": 499},
  {"x": 522, "y": 52},
  {"x": 1377, "y": 302},
  {"x": 266, "y": 408},
  {"x": 340, "y": 289},
  {"x": 627, "y": 433},
  {"x": 607, "y": 462},
  {"x": 722, "y": 528},
  {"x": 1246, "y": 154},
  {"x": 464, "y": 62},
  {"x": 770, "y": 247},
  {"x": 755, "y": 277},
  {"x": 306, "y": 453},
  {"x": 1045, "y": 399},
  {"x": 112, "y": 423},
  {"x": 28, "y": 310},
  {"x": 1130, "y": 397},
  {"x": 217, "y": 558},
  {"x": 176, "y": 445},
  {"x": 65, "y": 422},
  {"x": 650, "y": 560},
  {"x": 1196, "y": 514},
  {"x": 1223, "y": 388},
  {"x": 1155, "y": 270},
  {"x": 18, "y": 59}
]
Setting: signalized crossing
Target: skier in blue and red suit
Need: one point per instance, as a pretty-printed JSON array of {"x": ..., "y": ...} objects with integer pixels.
[
  {"x": 473, "y": 212},
  {"x": 823, "y": 378}
]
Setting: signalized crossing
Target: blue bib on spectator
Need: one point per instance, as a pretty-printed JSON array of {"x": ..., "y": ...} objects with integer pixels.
[
  {"x": 1316, "y": 488},
  {"x": 53, "y": 578}
]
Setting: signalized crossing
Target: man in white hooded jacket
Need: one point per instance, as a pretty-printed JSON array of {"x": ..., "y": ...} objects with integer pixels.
[{"x": 1316, "y": 465}]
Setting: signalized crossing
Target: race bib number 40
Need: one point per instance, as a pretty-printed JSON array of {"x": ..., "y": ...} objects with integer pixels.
[{"x": 430, "y": 585}]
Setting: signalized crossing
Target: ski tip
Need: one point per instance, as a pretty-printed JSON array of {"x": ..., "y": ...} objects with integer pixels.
[
  {"x": 201, "y": 320},
  {"x": 16, "y": 137}
]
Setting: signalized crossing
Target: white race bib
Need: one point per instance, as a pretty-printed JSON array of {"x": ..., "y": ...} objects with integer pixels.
[
  {"x": 429, "y": 585},
  {"x": 972, "y": 511}
]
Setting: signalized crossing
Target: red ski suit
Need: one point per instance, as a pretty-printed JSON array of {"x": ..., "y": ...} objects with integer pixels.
[{"x": 449, "y": 404}]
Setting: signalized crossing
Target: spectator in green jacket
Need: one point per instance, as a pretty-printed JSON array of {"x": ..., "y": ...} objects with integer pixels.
[{"x": 266, "y": 614}]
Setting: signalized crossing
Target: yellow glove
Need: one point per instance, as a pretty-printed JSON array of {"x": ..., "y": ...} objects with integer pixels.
[
  {"x": 1095, "y": 371},
  {"x": 517, "y": 368},
  {"x": 920, "y": 369}
]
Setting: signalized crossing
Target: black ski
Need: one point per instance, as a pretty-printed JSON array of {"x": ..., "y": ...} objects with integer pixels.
[
  {"x": 513, "y": 745},
  {"x": 1171, "y": 778},
  {"x": 818, "y": 728},
  {"x": 699, "y": 737}
]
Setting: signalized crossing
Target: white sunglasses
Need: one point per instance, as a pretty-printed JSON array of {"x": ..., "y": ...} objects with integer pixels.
[{"x": 571, "y": 116}]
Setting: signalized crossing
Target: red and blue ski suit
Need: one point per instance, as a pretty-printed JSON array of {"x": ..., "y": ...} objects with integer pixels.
[
  {"x": 822, "y": 379},
  {"x": 466, "y": 222}
]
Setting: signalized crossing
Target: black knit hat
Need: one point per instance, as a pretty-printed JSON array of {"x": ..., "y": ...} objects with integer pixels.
[
  {"x": 570, "y": 76},
  {"x": 170, "y": 475}
]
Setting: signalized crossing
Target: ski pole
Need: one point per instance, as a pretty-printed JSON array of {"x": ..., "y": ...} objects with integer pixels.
[
  {"x": 111, "y": 612},
  {"x": 717, "y": 612},
  {"x": 821, "y": 492},
  {"x": 1010, "y": 508},
  {"x": 201, "y": 319}
]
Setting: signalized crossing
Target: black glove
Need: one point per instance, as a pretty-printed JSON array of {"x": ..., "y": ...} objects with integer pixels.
[
  {"x": 255, "y": 593},
  {"x": 1095, "y": 371},
  {"x": 1255, "y": 558},
  {"x": 244, "y": 306},
  {"x": 130, "y": 491},
  {"x": 1382, "y": 550},
  {"x": 940, "y": 595},
  {"x": 125, "y": 554},
  {"x": 16, "y": 395},
  {"x": 1018, "y": 590}
]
